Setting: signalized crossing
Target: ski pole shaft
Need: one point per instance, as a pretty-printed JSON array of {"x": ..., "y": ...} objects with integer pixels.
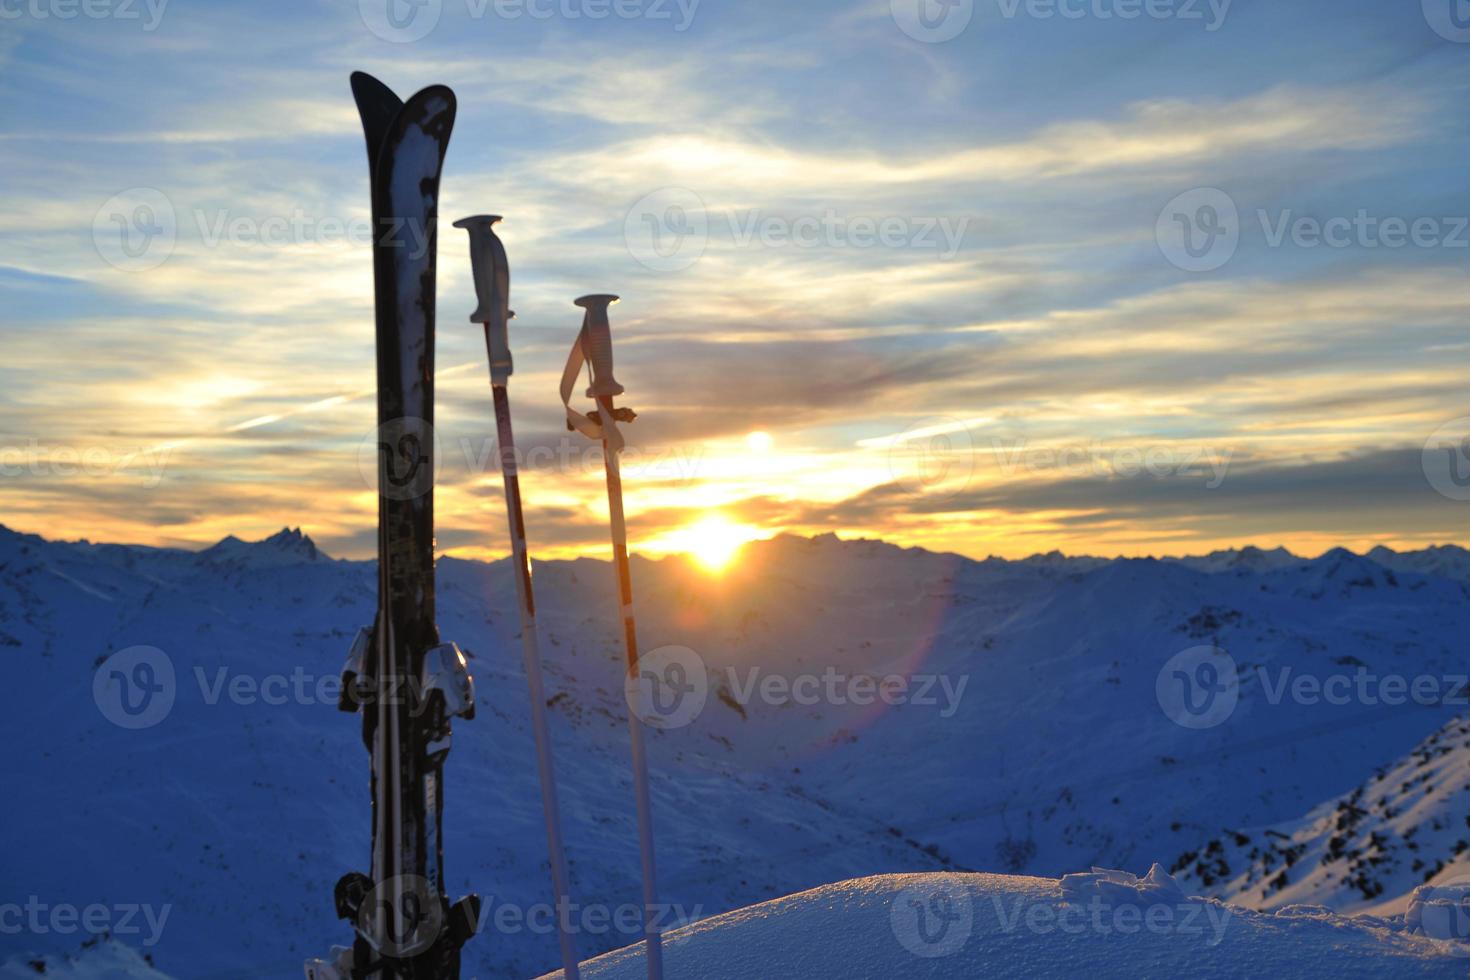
[
  {"x": 643, "y": 800},
  {"x": 492, "y": 287},
  {"x": 594, "y": 347},
  {"x": 532, "y": 655}
]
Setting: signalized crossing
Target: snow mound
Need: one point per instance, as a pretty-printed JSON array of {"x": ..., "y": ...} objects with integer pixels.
[
  {"x": 97, "y": 959},
  {"x": 1121, "y": 889},
  {"x": 1103, "y": 924}
]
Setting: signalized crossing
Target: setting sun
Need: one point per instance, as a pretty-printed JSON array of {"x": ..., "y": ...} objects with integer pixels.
[
  {"x": 712, "y": 542},
  {"x": 760, "y": 442}
]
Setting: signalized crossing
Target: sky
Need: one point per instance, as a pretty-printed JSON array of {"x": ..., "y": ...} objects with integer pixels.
[{"x": 986, "y": 276}]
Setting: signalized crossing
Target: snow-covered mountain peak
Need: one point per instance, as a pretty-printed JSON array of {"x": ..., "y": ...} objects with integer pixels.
[
  {"x": 288, "y": 546},
  {"x": 1445, "y": 560},
  {"x": 1247, "y": 559}
]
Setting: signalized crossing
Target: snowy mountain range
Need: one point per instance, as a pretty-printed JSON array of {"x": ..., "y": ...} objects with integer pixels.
[{"x": 853, "y": 709}]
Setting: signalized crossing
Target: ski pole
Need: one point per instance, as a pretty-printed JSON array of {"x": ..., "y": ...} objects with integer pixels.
[
  {"x": 594, "y": 345},
  {"x": 492, "y": 286}
]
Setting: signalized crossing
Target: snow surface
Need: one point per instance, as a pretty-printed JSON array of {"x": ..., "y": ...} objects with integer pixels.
[
  {"x": 239, "y": 814},
  {"x": 1011, "y": 926},
  {"x": 101, "y": 958}
]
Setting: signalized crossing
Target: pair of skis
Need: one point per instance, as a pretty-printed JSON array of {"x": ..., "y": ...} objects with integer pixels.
[
  {"x": 593, "y": 346},
  {"x": 407, "y": 685}
]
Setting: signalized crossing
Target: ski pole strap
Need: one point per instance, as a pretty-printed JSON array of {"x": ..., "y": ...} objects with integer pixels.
[
  {"x": 576, "y": 421},
  {"x": 594, "y": 345}
]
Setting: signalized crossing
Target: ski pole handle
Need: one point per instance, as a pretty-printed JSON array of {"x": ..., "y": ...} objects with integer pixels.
[
  {"x": 599, "y": 345},
  {"x": 492, "y": 288}
]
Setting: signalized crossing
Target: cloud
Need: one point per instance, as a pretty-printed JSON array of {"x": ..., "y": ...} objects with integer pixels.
[{"x": 1148, "y": 138}]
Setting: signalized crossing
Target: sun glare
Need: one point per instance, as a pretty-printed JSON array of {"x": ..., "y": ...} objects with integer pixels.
[
  {"x": 761, "y": 442},
  {"x": 713, "y": 542}
]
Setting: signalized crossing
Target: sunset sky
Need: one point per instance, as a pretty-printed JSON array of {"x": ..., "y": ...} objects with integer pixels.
[{"x": 874, "y": 282}]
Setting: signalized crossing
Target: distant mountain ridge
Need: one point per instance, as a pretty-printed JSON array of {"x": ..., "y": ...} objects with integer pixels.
[{"x": 1447, "y": 560}]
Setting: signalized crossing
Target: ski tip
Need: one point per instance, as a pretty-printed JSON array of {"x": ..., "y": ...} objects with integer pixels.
[{"x": 368, "y": 90}]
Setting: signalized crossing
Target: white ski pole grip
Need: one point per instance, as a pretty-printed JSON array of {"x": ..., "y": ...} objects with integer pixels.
[
  {"x": 599, "y": 345},
  {"x": 491, "y": 272}
]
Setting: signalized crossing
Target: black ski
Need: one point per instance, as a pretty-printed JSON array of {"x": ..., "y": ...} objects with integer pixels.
[{"x": 407, "y": 684}]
